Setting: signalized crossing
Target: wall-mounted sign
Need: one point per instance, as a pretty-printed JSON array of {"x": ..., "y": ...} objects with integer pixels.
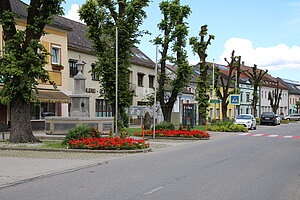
[{"x": 90, "y": 90}]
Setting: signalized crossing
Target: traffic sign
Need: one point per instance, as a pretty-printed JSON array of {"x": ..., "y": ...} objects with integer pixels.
[
  {"x": 235, "y": 99},
  {"x": 214, "y": 101}
]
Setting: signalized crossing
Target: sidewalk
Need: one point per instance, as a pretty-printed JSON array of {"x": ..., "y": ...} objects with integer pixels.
[{"x": 20, "y": 166}]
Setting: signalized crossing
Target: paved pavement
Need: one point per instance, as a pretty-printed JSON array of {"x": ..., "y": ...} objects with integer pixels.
[{"x": 20, "y": 166}]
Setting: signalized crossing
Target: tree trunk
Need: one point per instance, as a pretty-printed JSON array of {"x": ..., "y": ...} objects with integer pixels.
[
  {"x": 167, "y": 112},
  {"x": 21, "y": 130},
  {"x": 224, "y": 111}
]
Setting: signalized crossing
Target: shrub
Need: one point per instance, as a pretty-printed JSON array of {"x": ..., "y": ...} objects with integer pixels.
[
  {"x": 257, "y": 120},
  {"x": 164, "y": 125},
  {"x": 222, "y": 123},
  {"x": 284, "y": 121},
  {"x": 82, "y": 132},
  {"x": 228, "y": 128}
]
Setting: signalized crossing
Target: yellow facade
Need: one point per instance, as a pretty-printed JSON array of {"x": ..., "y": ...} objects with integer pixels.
[
  {"x": 215, "y": 109},
  {"x": 55, "y": 37}
]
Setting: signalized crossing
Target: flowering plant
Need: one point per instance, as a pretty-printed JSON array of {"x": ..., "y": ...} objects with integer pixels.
[
  {"x": 82, "y": 132},
  {"x": 177, "y": 133},
  {"x": 114, "y": 143}
]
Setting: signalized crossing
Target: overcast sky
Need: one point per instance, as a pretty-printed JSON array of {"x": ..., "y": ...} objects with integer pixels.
[{"x": 265, "y": 32}]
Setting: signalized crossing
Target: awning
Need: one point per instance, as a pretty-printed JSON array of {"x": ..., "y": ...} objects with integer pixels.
[{"x": 52, "y": 96}]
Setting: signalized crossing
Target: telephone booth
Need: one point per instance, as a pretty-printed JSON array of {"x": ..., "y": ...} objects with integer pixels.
[{"x": 189, "y": 114}]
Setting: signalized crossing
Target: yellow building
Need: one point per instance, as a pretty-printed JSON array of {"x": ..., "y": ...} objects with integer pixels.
[
  {"x": 215, "y": 109},
  {"x": 53, "y": 102}
]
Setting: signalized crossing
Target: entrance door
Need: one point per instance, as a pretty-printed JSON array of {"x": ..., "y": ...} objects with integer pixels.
[{"x": 3, "y": 114}]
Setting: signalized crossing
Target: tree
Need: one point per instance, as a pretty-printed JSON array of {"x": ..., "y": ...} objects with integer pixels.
[
  {"x": 102, "y": 17},
  {"x": 227, "y": 82},
  {"x": 297, "y": 106},
  {"x": 274, "y": 97},
  {"x": 256, "y": 77},
  {"x": 175, "y": 31},
  {"x": 203, "y": 84},
  {"x": 22, "y": 65}
]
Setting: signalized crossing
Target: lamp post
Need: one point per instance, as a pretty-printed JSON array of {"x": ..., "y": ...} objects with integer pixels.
[{"x": 180, "y": 96}]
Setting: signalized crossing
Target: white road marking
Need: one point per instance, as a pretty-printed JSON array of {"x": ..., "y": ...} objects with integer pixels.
[
  {"x": 272, "y": 136},
  {"x": 257, "y": 135},
  {"x": 154, "y": 190},
  {"x": 288, "y": 136}
]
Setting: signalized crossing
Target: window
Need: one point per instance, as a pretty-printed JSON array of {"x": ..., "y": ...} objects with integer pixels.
[
  {"x": 218, "y": 112},
  {"x": 151, "y": 81},
  {"x": 94, "y": 75},
  {"x": 103, "y": 109},
  {"x": 248, "y": 97},
  {"x": 247, "y": 110},
  {"x": 140, "y": 79},
  {"x": 42, "y": 110},
  {"x": 230, "y": 112},
  {"x": 241, "y": 96},
  {"x": 55, "y": 58},
  {"x": 211, "y": 112},
  {"x": 211, "y": 93},
  {"x": 73, "y": 68}
]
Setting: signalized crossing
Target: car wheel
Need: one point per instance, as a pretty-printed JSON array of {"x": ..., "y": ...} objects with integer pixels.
[{"x": 254, "y": 128}]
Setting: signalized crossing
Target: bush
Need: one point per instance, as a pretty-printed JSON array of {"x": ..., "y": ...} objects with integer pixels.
[
  {"x": 80, "y": 132},
  {"x": 257, "y": 120},
  {"x": 164, "y": 125},
  {"x": 222, "y": 123},
  {"x": 228, "y": 128}
]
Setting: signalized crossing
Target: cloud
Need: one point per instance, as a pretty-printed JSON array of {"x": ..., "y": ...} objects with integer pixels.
[
  {"x": 194, "y": 62},
  {"x": 272, "y": 58},
  {"x": 73, "y": 13}
]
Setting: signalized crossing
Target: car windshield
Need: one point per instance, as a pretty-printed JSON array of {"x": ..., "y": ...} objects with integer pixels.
[
  {"x": 267, "y": 114},
  {"x": 243, "y": 117}
]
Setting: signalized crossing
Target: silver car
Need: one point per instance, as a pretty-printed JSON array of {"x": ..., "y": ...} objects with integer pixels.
[
  {"x": 293, "y": 117},
  {"x": 247, "y": 120}
]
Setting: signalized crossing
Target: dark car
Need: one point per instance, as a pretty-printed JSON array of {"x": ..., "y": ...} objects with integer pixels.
[{"x": 269, "y": 118}]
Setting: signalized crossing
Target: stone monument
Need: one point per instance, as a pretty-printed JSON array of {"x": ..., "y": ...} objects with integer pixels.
[
  {"x": 79, "y": 111},
  {"x": 80, "y": 99}
]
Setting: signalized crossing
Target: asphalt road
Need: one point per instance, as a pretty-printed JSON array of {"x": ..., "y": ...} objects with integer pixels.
[{"x": 227, "y": 167}]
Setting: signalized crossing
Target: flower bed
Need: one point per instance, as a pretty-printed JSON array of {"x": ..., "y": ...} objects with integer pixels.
[
  {"x": 176, "y": 133},
  {"x": 114, "y": 143}
]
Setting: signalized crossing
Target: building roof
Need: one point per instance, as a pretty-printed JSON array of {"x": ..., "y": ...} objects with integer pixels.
[
  {"x": 77, "y": 39},
  {"x": 20, "y": 8},
  {"x": 291, "y": 85}
]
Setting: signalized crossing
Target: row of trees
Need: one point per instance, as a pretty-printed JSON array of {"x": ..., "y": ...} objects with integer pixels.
[{"x": 23, "y": 65}]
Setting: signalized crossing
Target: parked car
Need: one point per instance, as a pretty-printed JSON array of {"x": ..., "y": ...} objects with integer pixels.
[
  {"x": 269, "y": 118},
  {"x": 293, "y": 117},
  {"x": 247, "y": 120}
]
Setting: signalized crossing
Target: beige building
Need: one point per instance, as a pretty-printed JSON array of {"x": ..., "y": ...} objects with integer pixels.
[{"x": 79, "y": 47}]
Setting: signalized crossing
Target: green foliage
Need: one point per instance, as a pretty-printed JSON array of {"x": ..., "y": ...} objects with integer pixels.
[
  {"x": 228, "y": 128},
  {"x": 81, "y": 132},
  {"x": 200, "y": 47},
  {"x": 164, "y": 125},
  {"x": 102, "y": 17},
  {"x": 257, "y": 120},
  {"x": 22, "y": 64},
  {"x": 175, "y": 32}
]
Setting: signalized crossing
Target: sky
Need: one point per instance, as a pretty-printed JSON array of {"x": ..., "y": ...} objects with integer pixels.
[{"x": 265, "y": 32}]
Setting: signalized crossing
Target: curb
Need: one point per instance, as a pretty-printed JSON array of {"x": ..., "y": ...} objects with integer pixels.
[
  {"x": 77, "y": 150},
  {"x": 178, "y": 138}
]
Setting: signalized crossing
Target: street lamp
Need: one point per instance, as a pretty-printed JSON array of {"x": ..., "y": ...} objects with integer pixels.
[{"x": 179, "y": 96}]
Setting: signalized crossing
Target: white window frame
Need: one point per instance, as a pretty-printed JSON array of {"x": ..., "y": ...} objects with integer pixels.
[{"x": 59, "y": 54}]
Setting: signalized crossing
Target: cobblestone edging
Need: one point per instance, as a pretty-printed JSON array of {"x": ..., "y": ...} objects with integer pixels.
[{"x": 76, "y": 150}]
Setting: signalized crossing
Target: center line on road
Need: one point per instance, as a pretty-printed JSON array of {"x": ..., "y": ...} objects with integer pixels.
[{"x": 154, "y": 190}]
